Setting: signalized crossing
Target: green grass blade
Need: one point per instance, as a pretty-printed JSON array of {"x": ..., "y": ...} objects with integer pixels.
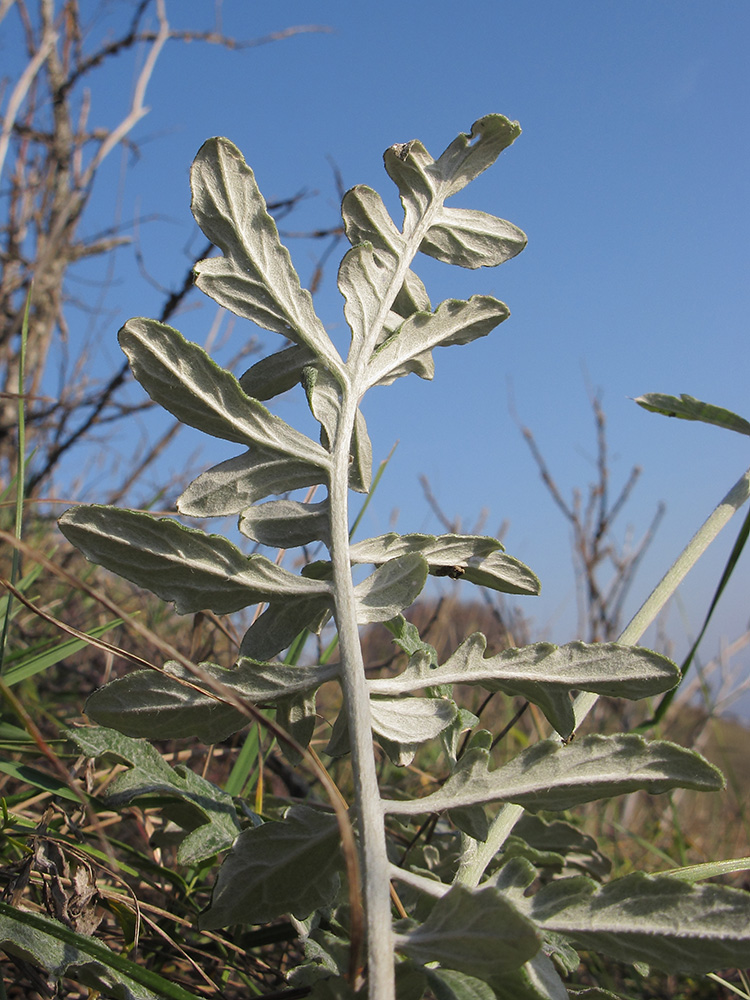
[
  {"x": 38, "y": 779},
  {"x": 36, "y": 663},
  {"x": 20, "y": 473},
  {"x": 732, "y": 561},
  {"x": 710, "y": 869},
  {"x": 53, "y": 944},
  {"x": 245, "y": 763}
]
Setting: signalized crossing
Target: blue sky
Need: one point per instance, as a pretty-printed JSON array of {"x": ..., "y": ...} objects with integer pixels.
[{"x": 630, "y": 180}]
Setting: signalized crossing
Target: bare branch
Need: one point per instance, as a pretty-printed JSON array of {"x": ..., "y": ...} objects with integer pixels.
[{"x": 21, "y": 89}]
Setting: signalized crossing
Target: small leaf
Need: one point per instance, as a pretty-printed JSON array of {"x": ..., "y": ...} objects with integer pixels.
[
  {"x": 195, "y": 570},
  {"x": 366, "y": 220},
  {"x": 360, "y": 469},
  {"x": 281, "y": 623},
  {"x": 255, "y": 278},
  {"x": 422, "y": 180},
  {"x": 402, "y": 725},
  {"x": 276, "y": 373},
  {"x": 453, "y": 322},
  {"x": 365, "y": 275},
  {"x": 468, "y": 238},
  {"x": 298, "y": 717},
  {"x": 283, "y": 524},
  {"x": 658, "y": 920},
  {"x": 390, "y": 589},
  {"x": 551, "y": 776},
  {"x": 479, "y": 933},
  {"x": 689, "y": 408},
  {"x": 471, "y": 820},
  {"x": 292, "y": 866},
  {"x": 324, "y": 398},
  {"x": 182, "y": 378},
  {"x": 447, "y": 984},
  {"x": 231, "y": 486},
  {"x": 407, "y": 637}
]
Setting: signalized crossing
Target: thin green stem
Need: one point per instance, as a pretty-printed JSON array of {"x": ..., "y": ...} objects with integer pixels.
[
  {"x": 20, "y": 473},
  {"x": 674, "y": 576},
  {"x": 475, "y": 856}
]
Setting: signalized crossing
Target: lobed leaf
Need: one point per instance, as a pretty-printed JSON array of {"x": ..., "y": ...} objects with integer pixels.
[
  {"x": 689, "y": 408},
  {"x": 291, "y": 866},
  {"x": 453, "y": 322},
  {"x": 549, "y": 775},
  {"x": 422, "y": 180},
  {"x": 658, "y": 920},
  {"x": 255, "y": 278},
  {"x": 195, "y": 570},
  {"x": 182, "y": 378},
  {"x": 475, "y": 558},
  {"x": 545, "y": 674},
  {"x": 150, "y": 774}
]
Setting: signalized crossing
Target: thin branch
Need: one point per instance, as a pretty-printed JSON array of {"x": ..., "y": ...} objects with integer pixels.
[{"x": 21, "y": 89}]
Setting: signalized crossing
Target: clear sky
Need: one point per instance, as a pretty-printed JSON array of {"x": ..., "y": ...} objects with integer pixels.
[{"x": 630, "y": 179}]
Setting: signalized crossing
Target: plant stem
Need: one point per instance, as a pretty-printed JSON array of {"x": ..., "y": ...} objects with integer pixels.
[{"x": 374, "y": 859}]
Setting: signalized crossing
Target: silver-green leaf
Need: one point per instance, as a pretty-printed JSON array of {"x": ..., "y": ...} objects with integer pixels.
[
  {"x": 688, "y": 408},
  {"x": 255, "y": 277},
  {"x": 391, "y": 588},
  {"x": 474, "y": 558},
  {"x": 468, "y": 238},
  {"x": 286, "y": 523},
  {"x": 545, "y": 674},
  {"x": 658, "y": 920},
  {"x": 402, "y": 725},
  {"x": 454, "y": 322},
  {"x": 182, "y": 378},
  {"x": 421, "y": 180},
  {"x": 233, "y": 485},
  {"x": 195, "y": 570},
  {"x": 549, "y": 775},
  {"x": 149, "y": 774}
]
